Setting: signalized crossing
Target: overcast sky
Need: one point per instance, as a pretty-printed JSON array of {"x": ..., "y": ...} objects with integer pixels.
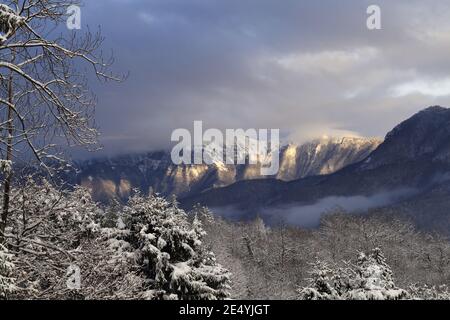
[{"x": 310, "y": 68}]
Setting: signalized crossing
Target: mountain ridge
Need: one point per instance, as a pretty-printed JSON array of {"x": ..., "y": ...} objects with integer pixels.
[
  {"x": 116, "y": 177},
  {"x": 414, "y": 156}
]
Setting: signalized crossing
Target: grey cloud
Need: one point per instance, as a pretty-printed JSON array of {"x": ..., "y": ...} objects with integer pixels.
[{"x": 233, "y": 64}]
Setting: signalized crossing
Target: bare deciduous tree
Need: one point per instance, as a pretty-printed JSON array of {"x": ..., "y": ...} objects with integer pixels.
[{"x": 44, "y": 94}]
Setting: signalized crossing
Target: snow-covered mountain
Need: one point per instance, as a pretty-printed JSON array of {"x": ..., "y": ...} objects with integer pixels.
[
  {"x": 408, "y": 174},
  {"x": 154, "y": 171}
]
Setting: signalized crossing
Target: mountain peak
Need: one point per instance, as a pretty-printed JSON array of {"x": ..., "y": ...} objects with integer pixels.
[
  {"x": 434, "y": 109},
  {"x": 425, "y": 134}
]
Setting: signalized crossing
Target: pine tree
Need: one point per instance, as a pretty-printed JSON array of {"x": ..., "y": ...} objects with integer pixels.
[
  {"x": 205, "y": 216},
  {"x": 111, "y": 216},
  {"x": 172, "y": 257},
  {"x": 373, "y": 279},
  {"x": 369, "y": 279},
  {"x": 6, "y": 269},
  {"x": 322, "y": 284}
]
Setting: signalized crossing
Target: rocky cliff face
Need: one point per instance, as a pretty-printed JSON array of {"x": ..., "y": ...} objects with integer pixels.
[
  {"x": 154, "y": 172},
  {"x": 323, "y": 157}
]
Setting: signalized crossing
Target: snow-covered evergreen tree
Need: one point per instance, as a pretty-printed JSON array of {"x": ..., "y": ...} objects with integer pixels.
[
  {"x": 148, "y": 250},
  {"x": 373, "y": 279},
  {"x": 369, "y": 279},
  {"x": 205, "y": 216},
  {"x": 172, "y": 257},
  {"x": 7, "y": 282},
  {"x": 324, "y": 284}
]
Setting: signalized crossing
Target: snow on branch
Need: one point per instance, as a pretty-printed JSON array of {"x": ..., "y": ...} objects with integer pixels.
[
  {"x": 5, "y": 166},
  {"x": 10, "y": 21}
]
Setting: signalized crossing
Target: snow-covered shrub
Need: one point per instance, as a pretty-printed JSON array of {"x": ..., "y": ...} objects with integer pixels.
[
  {"x": 169, "y": 250},
  {"x": 50, "y": 230},
  {"x": 424, "y": 292},
  {"x": 7, "y": 282},
  {"x": 369, "y": 279},
  {"x": 64, "y": 216}
]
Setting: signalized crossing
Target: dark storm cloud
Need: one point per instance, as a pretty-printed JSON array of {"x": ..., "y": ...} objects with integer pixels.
[{"x": 308, "y": 68}]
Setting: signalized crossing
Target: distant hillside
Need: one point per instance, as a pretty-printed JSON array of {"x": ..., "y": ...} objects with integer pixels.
[
  {"x": 409, "y": 171},
  {"x": 116, "y": 177}
]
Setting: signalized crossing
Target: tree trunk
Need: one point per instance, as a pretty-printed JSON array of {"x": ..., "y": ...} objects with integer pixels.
[{"x": 9, "y": 156}]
